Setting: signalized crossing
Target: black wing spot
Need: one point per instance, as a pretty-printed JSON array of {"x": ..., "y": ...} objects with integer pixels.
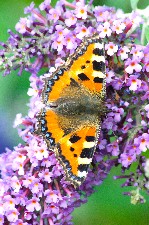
[
  {"x": 90, "y": 138},
  {"x": 87, "y": 153},
  {"x": 83, "y": 67},
  {"x": 83, "y": 167},
  {"x": 72, "y": 149},
  {"x": 83, "y": 77},
  {"x": 98, "y": 51},
  {"x": 74, "y": 138},
  {"x": 87, "y": 61},
  {"x": 75, "y": 155},
  {"x": 98, "y": 80},
  {"x": 98, "y": 66}
]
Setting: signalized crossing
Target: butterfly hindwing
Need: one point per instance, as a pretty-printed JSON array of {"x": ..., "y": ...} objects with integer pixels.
[
  {"x": 74, "y": 102},
  {"x": 75, "y": 152}
]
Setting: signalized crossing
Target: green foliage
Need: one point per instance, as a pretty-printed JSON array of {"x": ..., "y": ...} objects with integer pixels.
[
  {"x": 147, "y": 33},
  {"x": 134, "y": 4}
]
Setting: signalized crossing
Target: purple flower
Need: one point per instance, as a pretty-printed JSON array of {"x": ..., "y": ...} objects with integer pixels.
[
  {"x": 137, "y": 52},
  {"x": 126, "y": 159},
  {"x": 70, "y": 19},
  {"x": 116, "y": 113},
  {"x": 101, "y": 13},
  {"x": 23, "y": 25},
  {"x": 1, "y": 219},
  {"x": 143, "y": 141},
  {"x": 54, "y": 15},
  {"x": 134, "y": 83},
  {"x": 102, "y": 143},
  {"x": 113, "y": 148},
  {"x": 143, "y": 87},
  {"x": 81, "y": 10},
  {"x": 145, "y": 96},
  {"x": 126, "y": 128},
  {"x": 29, "y": 8},
  {"x": 146, "y": 66},
  {"x": 52, "y": 196},
  {"x": 111, "y": 48},
  {"x": 123, "y": 52},
  {"x": 81, "y": 31},
  {"x": 15, "y": 184},
  {"x": 33, "y": 204},
  {"x": 70, "y": 42},
  {"x": 104, "y": 30},
  {"x": 12, "y": 215},
  {"x": 117, "y": 83},
  {"x": 118, "y": 26},
  {"x": 133, "y": 65},
  {"x": 45, "y": 5},
  {"x": 108, "y": 123},
  {"x": 147, "y": 110},
  {"x": 109, "y": 76},
  {"x": 19, "y": 222},
  {"x": 146, "y": 54},
  {"x": 46, "y": 175}
]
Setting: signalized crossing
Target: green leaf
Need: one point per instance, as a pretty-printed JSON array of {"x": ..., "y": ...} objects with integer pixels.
[
  {"x": 147, "y": 33},
  {"x": 134, "y": 4}
]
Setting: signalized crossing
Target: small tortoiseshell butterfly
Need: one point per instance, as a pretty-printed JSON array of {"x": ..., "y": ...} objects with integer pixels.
[{"x": 74, "y": 99}]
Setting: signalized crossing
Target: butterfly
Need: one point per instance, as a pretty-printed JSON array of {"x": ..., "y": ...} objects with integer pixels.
[{"x": 74, "y": 99}]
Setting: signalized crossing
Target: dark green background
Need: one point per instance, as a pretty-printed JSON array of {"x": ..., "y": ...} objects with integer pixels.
[{"x": 107, "y": 206}]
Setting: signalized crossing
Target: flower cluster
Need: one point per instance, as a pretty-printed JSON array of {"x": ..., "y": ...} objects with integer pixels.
[{"x": 33, "y": 185}]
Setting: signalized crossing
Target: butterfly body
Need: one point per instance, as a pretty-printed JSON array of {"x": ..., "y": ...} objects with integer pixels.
[
  {"x": 74, "y": 103},
  {"x": 83, "y": 102}
]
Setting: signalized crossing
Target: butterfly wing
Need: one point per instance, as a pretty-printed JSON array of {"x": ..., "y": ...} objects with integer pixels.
[
  {"x": 74, "y": 96},
  {"x": 86, "y": 67},
  {"x": 75, "y": 152}
]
